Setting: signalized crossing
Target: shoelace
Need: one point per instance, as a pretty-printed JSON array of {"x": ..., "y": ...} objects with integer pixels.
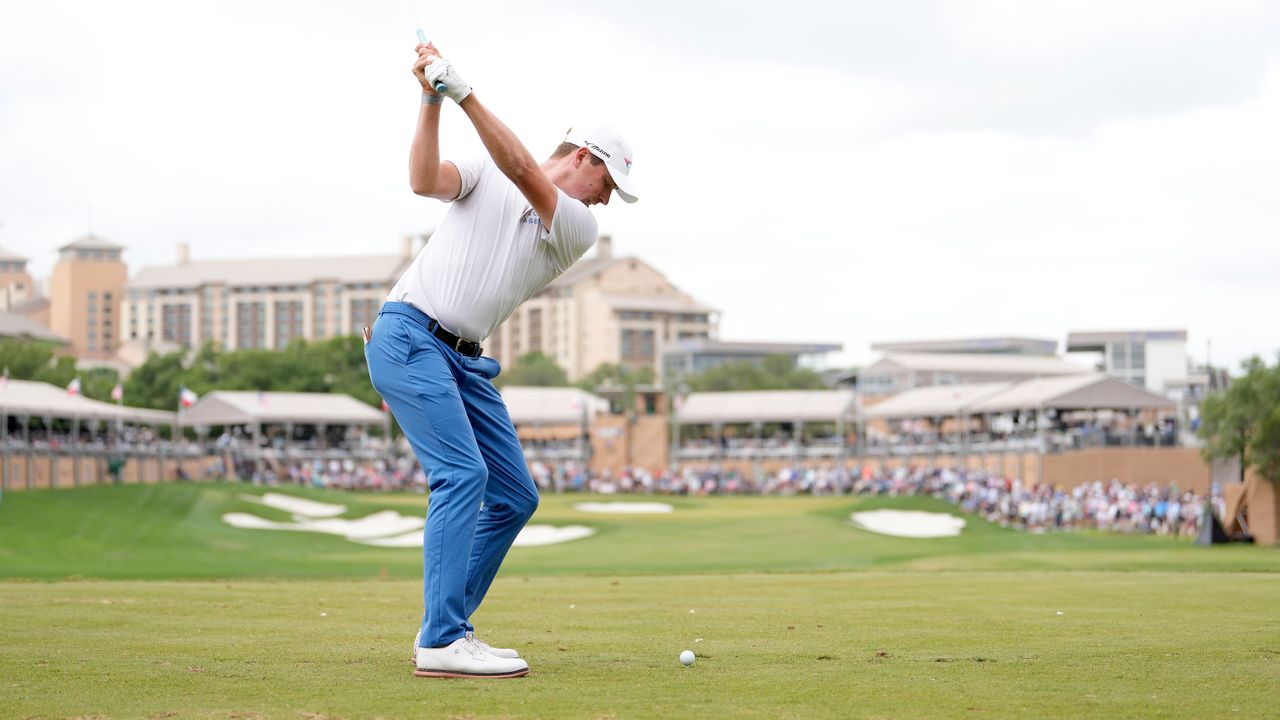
[{"x": 475, "y": 646}]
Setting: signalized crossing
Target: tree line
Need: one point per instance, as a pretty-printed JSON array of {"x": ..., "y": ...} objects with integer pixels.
[{"x": 338, "y": 365}]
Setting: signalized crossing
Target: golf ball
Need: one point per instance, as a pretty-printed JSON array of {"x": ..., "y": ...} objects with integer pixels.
[{"x": 686, "y": 658}]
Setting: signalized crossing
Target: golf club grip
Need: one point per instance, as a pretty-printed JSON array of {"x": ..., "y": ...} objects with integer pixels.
[{"x": 422, "y": 38}]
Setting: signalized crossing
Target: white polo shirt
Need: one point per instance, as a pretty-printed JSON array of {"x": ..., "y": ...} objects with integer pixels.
[{"x": 491, "y": 253}]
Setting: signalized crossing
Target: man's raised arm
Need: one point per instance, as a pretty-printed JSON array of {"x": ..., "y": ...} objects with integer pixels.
[
  {"x": 508, "y": 153},
  {"x": 427, "y": 175}
]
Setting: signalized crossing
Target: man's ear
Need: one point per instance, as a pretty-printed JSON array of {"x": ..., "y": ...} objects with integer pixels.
[{"x": 580, "y": 157}]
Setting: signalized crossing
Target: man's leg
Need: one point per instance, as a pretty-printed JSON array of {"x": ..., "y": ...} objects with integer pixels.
[
  {"x": 510, "y": 495},
  {"x": 416, "y": 378}
]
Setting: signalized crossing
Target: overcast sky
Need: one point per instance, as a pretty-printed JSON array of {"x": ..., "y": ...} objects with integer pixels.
[{"x": 819, "y": 171}]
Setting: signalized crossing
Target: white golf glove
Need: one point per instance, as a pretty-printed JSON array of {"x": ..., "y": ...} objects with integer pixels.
[{"x": 442, "y": 71}]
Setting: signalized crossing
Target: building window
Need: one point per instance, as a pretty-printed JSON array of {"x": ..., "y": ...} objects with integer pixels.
[
  {"x": 288, "y": 321},
  {"x": 363, "y": 312},
  {"x": 251, "y": 325},
  {"x": 637, "y": 345},
  {"x": 535, "y": 329},
  {"x": 175, "y": 323}
]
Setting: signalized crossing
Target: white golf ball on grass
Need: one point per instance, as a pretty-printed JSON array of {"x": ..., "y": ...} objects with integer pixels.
[{"x": 686, "y": 658}]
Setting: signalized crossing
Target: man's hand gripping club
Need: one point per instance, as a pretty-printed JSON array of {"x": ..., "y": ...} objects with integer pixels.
[{"x": 431, "y": 70}]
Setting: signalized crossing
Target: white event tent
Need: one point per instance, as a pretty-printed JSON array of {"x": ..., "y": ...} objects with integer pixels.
[
  {"x": 767, "y": 406},
  {"x": 551, "y": 405},
  {"x": 234, "y": 407},
  {"x": 39, "y": 399}
]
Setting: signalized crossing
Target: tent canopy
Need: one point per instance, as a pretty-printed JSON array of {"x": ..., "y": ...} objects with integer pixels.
[
  {"x": 935, "y": 401},
  {"x": 551, "y": 405},
  {"x": 1090, "y": 391},
  {"x": 766, "y": 406},
  {"x": 1094, "y": 391},
  {"x": 225, "y": 407},
  {"x": 25, "y": 397}
]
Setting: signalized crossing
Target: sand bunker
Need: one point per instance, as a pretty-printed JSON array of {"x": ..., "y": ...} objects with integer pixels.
[
  {"x": 386, "y": 528},
  {"x": 379, "y": 524},
  {"x": 296, "y": 505},
  {"x": 530, "y": 536},
  {"x": 909, "y": 523},
  {"x": 624, "y": 507},
  {"x": 535, "y": 535}
]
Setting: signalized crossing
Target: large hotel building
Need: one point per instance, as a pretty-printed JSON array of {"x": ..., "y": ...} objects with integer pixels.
[
  {"x": 605, "y": 309},
  {"x": 258, "y": 303}
]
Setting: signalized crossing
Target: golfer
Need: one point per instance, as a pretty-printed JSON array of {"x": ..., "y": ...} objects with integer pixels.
[{"x": 513, "y": 226}]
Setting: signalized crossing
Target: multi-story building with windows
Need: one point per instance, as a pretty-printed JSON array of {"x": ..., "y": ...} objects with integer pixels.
[
  {"x": 84, "y": 296},
  {"x": 257, "y": 303},
  {"x": 604, "y": 309},
  {"x": 1153, "y": 359}
]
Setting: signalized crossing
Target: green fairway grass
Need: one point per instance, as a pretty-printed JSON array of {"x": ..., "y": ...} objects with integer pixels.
[
  {"x": 139, "y": 602},
  {"x": 176, "y": 531}
]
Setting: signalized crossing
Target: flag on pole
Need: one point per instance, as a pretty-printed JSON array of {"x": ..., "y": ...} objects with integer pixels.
[
  {"x": 186, "y": 398},
  {"x": 117, "y": 392},
  {"x": 73, "y": 388}
]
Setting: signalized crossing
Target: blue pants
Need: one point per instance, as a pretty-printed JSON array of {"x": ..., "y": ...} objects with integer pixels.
[{"x": 458, "y": 425}]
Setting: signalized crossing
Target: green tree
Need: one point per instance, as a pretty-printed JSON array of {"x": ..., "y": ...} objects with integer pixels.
[
  {"x": 1244, "y": 420},
  {"x": 775, "y": 372},
  {"x": 332, "y": 365},
  {"x": 25, "y": 358},
  {"x": 608, "y": 374},
  {"x": 155, "y": 383},
  {"x": 36, "y": 360},
  {"x": 96, "y": 383},
  {"x": 534, "y": 369}
]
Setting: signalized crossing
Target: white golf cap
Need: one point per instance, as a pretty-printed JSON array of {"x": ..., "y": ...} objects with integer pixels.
[{"x": 608, "y": 145}]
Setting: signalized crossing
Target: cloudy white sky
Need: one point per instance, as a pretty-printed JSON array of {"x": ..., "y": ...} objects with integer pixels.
[{"x": 830, "y": 171}]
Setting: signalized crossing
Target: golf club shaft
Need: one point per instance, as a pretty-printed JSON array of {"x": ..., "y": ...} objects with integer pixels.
[{"x": 422, "y": 38}]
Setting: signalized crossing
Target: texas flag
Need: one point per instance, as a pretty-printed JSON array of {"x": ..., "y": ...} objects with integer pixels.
[
  {"x": 74, "y": 387},
  {"x": 117, "y": 392},
  {"x": 186, "y": 398}
]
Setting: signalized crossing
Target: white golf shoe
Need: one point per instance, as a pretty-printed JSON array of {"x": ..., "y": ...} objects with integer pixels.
[
  {"x": 465, "y": 658},
  {"x": 508, "y": 653}
]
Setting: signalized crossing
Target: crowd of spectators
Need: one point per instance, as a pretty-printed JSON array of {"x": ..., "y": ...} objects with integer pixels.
[
  {"x": 347, "y": 473},
  {"x": 1108, "y": 505},
  {"x": 1112, "y": 506}
]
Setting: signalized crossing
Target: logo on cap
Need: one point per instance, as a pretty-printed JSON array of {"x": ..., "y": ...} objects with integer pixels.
[{"x": 627, "y": 160}]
